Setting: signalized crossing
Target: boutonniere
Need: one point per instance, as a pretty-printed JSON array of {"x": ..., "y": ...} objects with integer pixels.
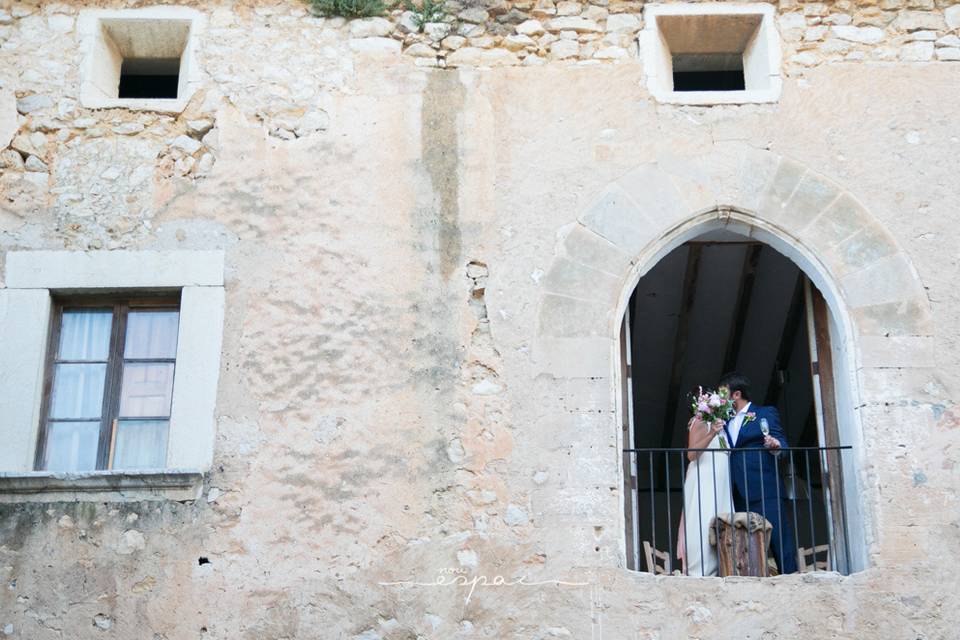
[{"x": 751, "y": 416}]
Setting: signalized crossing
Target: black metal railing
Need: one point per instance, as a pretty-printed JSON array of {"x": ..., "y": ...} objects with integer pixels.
[{"x": 696, "y": 517}]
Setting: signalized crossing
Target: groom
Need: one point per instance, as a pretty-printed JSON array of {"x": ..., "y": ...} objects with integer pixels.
[{"x": 756, "y": 484}]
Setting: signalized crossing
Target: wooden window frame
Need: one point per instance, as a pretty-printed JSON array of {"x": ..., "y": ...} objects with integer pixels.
[{"x": 121, "y": 306}]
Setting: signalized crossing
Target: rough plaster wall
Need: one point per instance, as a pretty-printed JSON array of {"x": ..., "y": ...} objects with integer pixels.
[{"x": 379, "y": 417}]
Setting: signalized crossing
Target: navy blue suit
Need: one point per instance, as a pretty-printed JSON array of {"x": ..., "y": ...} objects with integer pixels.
[{"x": 757, "y": 486}]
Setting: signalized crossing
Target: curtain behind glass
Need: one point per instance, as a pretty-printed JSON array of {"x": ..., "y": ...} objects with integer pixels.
[{"x": 77, "y": 403}]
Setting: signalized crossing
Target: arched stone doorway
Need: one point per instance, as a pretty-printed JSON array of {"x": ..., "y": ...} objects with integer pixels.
[{"x": 877, "y": 309}]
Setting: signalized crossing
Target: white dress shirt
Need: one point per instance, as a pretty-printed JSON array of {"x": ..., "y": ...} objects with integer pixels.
[{"x": 737, "y": 423}]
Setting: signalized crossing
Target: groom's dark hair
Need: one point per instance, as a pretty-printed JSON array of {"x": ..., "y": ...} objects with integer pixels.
[{"x": 736, "y": 381}]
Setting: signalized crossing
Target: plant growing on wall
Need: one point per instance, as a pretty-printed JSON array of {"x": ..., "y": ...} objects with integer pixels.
[
  {"x": 426, "y": 11},
  {"x": 348, "y": 8}
]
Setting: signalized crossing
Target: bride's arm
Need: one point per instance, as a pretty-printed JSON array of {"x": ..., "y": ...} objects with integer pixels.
[{"x": 699, "y": 435}]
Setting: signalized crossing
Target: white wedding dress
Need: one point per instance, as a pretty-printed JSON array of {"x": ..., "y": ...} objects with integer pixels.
[{"x": 706, "y": 492}]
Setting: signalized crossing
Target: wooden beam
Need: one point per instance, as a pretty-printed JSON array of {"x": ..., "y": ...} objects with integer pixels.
[
  {"x": 748, "y": 275},
  {"x": 680, "y": 341},
  {"x": 791, "y": 326}
]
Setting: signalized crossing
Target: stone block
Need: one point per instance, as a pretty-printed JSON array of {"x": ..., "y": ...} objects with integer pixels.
[
  {"x": 371, "y": 28},
  {"x": 477, "y": 57},
  {"x": 24, "y": 317},
  {"x": 919, "y": 21},
  {"x": 809, "y": 199},
  {"x": 623, "y": 23},
  {"x": 755, "y": 171},
  {"x": 570, "y": 278},
  {"x": 865, "y": 35},
  {"x": 843, "y": 218},
  {"x": 901, "y": 318},
  {"x": 889, "y": 279},
  {"x": 617, "y": 218},
  {"x": 375, "y": 46},
  {"x": 563, "y": 317},
  {"x": 878, "y": 385},
  {"x": 781, "y": 187},
  {"x": 589, "y": 357},
  {"x": 952, "y": 16},
  {"x": 9, "y": 122},
  {"x": 948, "y": 53},
  {"x": 573, "y": 23},
  {"x": 861, "y": 249},
  {"x": 692, "y": 180},
  {"x": 530, "y": 28},
  {"x": 916, "y": 52},
  {"x": 897, "y": 351},
  {"x": 564, "y": 49},
  {"x": 586, "y": 247},
  {"x": 655, "y": 194},
  {"x": 113, "y": 269}
]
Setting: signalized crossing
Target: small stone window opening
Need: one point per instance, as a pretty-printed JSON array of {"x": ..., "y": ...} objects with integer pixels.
[
  {"x": 709, "y": 53},
  {"x": 144, "y": 57},
  {"x": 139, "y": 58}
]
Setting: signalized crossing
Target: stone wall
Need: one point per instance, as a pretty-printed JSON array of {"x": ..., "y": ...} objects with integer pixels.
[{"x": 389, "y": 228}]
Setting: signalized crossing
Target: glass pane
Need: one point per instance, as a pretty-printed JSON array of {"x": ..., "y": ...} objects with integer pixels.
[
  {"x": 141, "y": 444},
  {"x": 85, "y": 334},
  {"x": 147, "y": 389},
  {"x": 72, "y": 446},
  {"x": 78, "y": 390},
  {"x": 151, "y": 334}
]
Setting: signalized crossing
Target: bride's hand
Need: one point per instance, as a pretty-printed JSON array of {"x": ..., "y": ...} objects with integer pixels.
[{"x": 717, "y": 426}]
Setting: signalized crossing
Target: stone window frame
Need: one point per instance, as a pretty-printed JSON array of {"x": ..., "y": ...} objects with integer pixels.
[
  {"x": 101, "y": 60},
  {"x": 763, "y": 56},
  {"x": 33, "y": 278}
]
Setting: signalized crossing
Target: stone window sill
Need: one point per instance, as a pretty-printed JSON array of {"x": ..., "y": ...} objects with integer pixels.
[
  {"x": 100, "y": 486},
  {"x": 707, "y": 98}
]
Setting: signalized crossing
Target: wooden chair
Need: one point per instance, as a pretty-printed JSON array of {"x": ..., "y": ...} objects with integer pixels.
[
  {"x": 658, "y": 562},
  {"x": 807, "y": 558}
]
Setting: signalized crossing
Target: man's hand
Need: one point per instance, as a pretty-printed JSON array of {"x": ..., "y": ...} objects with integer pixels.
[{"x": 770, "y": 442}]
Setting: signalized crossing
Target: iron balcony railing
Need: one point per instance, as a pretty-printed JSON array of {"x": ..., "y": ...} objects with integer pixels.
[{"x": 785, "y": 510}]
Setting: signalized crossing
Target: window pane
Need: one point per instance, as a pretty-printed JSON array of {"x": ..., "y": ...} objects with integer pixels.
[
  {"x": 78, "y": 390},
  {"x": 151, "y": 334},
  {"x": 85, "y": 334},
  {"x": 141, "y": 444},
  {"x": 72, "y": 446},
  {"x": 146, "y": 390}
]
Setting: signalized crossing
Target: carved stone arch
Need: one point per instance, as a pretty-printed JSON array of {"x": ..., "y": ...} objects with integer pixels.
[
  {"x": 876, "y": 300},
  {"x": 648, "y": 211}
]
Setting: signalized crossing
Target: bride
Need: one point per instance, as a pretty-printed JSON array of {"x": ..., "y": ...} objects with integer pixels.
[{"x": 706, "y": 492}]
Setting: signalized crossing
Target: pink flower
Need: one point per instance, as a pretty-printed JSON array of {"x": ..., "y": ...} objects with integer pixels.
[
  {"x": 703, "y": 407},
  {"x": 751, "y": 416},
  {"x": 715, "y": 400}
]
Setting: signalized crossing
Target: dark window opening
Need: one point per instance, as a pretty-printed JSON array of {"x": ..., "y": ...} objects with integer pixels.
[
  {"x": 708, "y": 72},
  {"x": 149, "y": 78},
  {"x": 708, "y": 80}
]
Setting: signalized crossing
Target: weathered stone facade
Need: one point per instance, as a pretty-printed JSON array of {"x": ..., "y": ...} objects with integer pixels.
[{"x": 425, "y": 274}]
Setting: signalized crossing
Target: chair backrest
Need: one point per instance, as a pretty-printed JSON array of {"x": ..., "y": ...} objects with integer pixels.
[
  {"x": 658, "y": 562},
  {"x": 808, "y": 558}
]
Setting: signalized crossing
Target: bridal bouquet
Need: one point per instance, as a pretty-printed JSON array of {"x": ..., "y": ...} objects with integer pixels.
[{"x": 711, "y": 406}]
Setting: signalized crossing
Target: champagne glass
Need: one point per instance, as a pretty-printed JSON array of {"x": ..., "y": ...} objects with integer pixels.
[{"x": 764, "y": 426}]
